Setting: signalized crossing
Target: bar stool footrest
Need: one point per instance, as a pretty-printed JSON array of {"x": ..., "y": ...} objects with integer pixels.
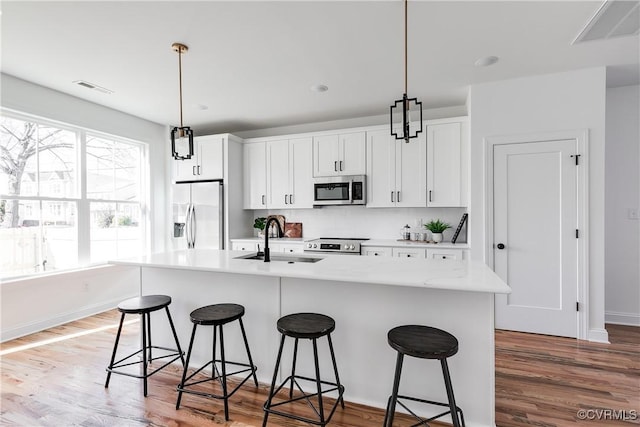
[
  {"x": 217, "y": 377},
  {"x": 425, "y": 421},
  {"x": 305, "y": 396},
  {"x": 119, "y": 364}
]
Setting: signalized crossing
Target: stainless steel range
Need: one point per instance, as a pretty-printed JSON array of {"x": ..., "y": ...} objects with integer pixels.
[{"x": 335, "y": 245}]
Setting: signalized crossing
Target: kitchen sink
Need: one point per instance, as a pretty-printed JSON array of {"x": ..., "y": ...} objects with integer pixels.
[{"x": 286, "y": 258}]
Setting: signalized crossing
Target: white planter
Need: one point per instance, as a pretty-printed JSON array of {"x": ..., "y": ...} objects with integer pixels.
[{"x": 437, "y": 237}]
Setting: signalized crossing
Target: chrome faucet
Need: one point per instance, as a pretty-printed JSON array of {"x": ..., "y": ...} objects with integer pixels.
[{"x": 267, "y": 257}]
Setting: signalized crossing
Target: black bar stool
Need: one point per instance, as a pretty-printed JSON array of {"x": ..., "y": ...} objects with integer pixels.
[
  {"x": 306, "y": 326},
  {"x": 217, "y": 315},
  {"x": 144, "y": 306},
  {"x": 423, "y": 342}
]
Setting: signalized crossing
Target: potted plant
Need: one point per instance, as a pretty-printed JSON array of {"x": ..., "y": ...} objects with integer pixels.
[
  {"x": 436, "y": 228},
  {"x": 259, "y": 224}
]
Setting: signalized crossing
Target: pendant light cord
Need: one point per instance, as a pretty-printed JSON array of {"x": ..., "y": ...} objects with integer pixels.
[
  {"x": 180, "y": 77},
  {"x": 405, "y": 47}
]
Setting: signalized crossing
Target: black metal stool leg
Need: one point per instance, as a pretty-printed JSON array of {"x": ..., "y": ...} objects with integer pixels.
[
  {"x": 450, "y": 397},
  {"x": 144, "y": 353},
  {"x": 150, "y": 357},
  {"x": 115, "y": 349},
  {"x": 175, "y": 335},
  {"x": 335, "y": 370},
  {"x": 318, "y": 384},
  {"x": 267, "y": 405},
  {"x": 293, "y": 367},
  {"x": 214, "y": 369},
  {"x": 186, "y": 366},
  {"x": 224, "y": 377},
  {"x": 391, "y": 408},
  {"x": 246, "y": 344}
]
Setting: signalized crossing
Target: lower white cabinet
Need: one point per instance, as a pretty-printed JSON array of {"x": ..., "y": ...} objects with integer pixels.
[
  {"x": 409, "y": 252},
  {"x": 286, "y": 247},
  {"x": 454, "y": 254},
  {"x": 376, "y": 251},
  {"x": 244, "y": 246}
]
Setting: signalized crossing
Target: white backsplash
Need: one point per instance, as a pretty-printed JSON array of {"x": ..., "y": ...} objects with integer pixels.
[{"x": 359, "y": 221}]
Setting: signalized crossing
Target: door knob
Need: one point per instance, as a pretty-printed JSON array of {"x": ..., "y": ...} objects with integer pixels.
[{"x": 500, "y": 246}]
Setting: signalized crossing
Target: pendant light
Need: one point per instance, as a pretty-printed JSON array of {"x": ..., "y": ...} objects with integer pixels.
[
  {"x": 405, "y": 130},
  {"x": 181, "y": 137}
]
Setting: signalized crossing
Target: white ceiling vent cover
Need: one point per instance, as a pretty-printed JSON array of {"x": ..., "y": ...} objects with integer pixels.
[
  {"x": 93, "y": 86},
  {"x": 614, "y": 18}
]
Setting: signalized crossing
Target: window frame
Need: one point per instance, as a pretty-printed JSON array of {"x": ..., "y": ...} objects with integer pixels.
[{"x": 83, "y": 224}]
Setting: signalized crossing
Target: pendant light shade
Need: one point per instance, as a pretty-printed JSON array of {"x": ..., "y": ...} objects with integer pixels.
[
  {"x": 406, "y": 113},
  {"x": 182, "y": 136}
]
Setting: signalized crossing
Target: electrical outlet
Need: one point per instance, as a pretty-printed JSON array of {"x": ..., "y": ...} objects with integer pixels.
[{"x": 632, "y": 213}]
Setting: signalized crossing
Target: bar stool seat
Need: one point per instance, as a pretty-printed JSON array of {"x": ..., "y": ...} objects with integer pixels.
[
  {"x": 423, "y": 342},
  {"x": 216, "y": 315},
  {"x": 305, "y": 326},
  {"x": 144, "y": 306}
]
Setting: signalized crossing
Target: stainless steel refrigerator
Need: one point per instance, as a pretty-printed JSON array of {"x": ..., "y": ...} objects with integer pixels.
[{"x": 197, "y": 211}]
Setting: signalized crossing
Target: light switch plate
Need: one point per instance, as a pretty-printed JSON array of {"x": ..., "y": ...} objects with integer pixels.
[{"x": 632, "y": 213}]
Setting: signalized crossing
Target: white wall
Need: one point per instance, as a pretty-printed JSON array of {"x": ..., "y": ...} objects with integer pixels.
[
  {"x": 32, "y": 304},
  {"x": 359, "y": 221},
  {"x": 622, "y": 187},
  {"x": 555, "y": 102}
]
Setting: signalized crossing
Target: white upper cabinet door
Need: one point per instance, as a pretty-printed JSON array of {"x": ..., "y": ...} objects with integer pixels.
[
  {"x": 352, "y": 159},
  {"x": 300, "y": 175},
  {"x": 325, "y": 155},
  {"x": 381, "y": 169},
  {"x": 411, "y": 172},
  {"x": 278, "y": 191},
  {"x": 205, "y": 164},
  {"x": 444, "y": 165},
  {"x": 343, "y": 154},
  {"x": 255, "y": 176}
]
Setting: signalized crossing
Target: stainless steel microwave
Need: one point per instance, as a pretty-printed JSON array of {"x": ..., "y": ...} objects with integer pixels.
[{"x": 339, "y": 190}]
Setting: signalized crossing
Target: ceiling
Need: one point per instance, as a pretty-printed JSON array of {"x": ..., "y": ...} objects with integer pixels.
[{"x": 252, "y": 63}]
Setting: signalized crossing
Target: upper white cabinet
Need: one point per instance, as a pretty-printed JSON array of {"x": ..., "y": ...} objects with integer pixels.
[
  {"x": 255, "y": 175},
  {"x": 289, "y": 179},
  {"x": 447, "y": 163},
  {"x": 342, "y": 154},
  {"x": 205, "y": 164},
  {"x": 396, "y": 171},
  {"x": 278, "y": 174}
]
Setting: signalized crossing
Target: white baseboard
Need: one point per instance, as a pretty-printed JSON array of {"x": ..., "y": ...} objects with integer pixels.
[
  {"x": 598, "y": 335},
  {"x": 38, "y": 326},
  {"x": 618, "y": 318}
]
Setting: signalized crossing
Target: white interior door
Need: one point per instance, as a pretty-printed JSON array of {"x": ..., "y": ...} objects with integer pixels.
[{"x": 535, "y": 244}]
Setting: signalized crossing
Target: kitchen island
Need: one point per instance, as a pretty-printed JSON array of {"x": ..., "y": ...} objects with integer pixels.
[{"x": 366, "y": 296}]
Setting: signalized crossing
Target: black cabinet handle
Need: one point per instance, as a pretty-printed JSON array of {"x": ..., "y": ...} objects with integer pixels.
[
  {"x": 193, "y": 170},
  {"x": 335, "y": 166},
  {"x": 500, "y": 246},
  {"x": 263, "y": 199},
  {"x": 392, "y": 200},
  {"x": 429, "y": 195},
  {"x": 340, "y": 164}
]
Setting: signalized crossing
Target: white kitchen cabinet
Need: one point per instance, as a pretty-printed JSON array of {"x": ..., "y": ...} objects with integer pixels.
[
  {"x": 255, "y": 175},
  {"x": 341, "y": 154},
  {"x": 294, "y": 248},
  {"x": 453, "y": 254},
  {"x": 409, "y": 252},
  {"x": 289, "y": 180},
  {"x": 447, "y": 163},
  {"x": 244, "y": 246},
  {"x": 396, "y": 171},
  {"x": 380, "y": 251},
  {"x": 205, "y": 164}
]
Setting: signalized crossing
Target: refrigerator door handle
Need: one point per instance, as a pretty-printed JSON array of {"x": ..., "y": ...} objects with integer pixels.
[
  {"x": 193, "y": 228},
  {"x": 187, "y": 226}
]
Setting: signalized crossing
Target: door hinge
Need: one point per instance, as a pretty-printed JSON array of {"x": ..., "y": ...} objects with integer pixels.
[
  {"x": 577, "y": 233},
  {"x": 577, "y": 157},
  {"x": 577, "y": 306}
]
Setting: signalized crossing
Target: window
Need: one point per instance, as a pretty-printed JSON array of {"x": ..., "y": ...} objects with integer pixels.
[{"x": 63, "y": 189}]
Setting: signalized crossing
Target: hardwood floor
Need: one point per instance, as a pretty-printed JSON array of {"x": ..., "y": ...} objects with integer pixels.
[{"x": 56, "y": 378}]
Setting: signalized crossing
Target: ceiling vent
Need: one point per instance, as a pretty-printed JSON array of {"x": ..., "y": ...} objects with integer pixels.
[
  {"x": 93, "y": 87},
  {"x": 614, "y": 18}
]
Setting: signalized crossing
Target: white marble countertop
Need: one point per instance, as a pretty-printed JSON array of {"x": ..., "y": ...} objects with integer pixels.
[{"x": 466, "y": 275}]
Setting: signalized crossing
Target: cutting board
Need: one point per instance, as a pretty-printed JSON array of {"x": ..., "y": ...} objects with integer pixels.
[{"x": 293, "y": 229}]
